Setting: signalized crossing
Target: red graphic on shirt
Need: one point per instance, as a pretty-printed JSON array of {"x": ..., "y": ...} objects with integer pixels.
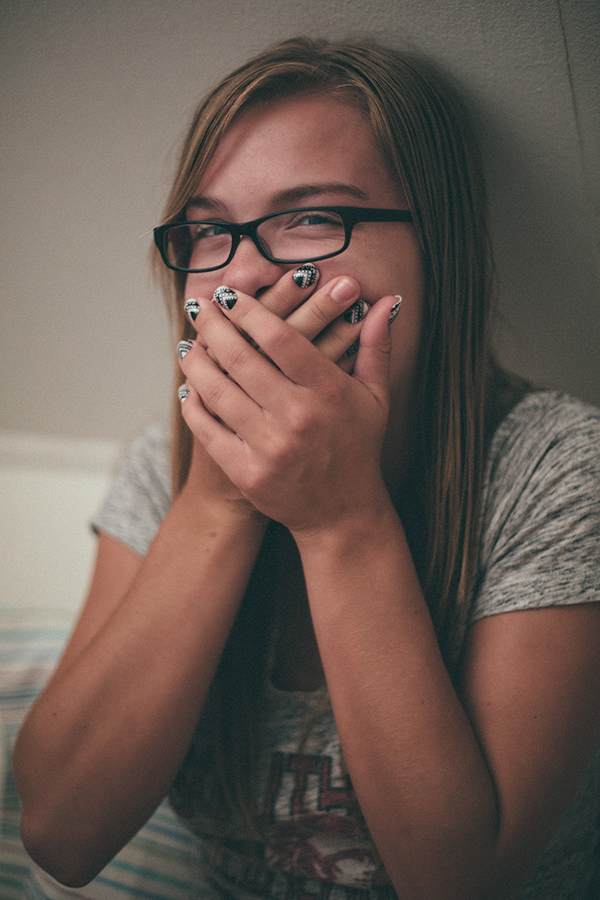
[
  {"x": 326, "y": 839},
  {"x": 302, "y": 767}
]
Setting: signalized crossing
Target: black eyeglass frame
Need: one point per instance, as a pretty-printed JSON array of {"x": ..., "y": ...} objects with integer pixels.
[{"x": 350, "y": 216}]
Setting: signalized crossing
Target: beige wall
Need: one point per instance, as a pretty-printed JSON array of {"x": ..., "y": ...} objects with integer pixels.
[{"x": 94, "y": 94}]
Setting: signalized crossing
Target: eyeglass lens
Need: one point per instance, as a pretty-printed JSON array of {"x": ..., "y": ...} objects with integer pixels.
[{"x": 288, "y": 236}]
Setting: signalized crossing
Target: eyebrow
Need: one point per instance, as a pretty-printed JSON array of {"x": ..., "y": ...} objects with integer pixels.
[
  {"x": 295, "y": 194},
  {"x": 288, "y": 196}
]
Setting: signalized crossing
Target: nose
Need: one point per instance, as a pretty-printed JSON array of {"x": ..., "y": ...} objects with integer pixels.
[{"x": 249, "y": 271}]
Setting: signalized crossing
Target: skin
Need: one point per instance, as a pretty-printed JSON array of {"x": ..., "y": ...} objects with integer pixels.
[
  {"x": 262, "y": 150},
  {"x": 461, "y": 788}
]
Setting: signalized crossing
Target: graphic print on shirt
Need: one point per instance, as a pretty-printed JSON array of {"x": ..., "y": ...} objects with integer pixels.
[{"x": 313, "y": 829}]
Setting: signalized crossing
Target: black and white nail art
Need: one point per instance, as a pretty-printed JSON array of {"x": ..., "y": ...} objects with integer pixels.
[
  {"x": 356, "y": 312},
  {"x": 395, "y": 308},
  {"x": 183, "y": 392},
  {"x": 192, "y": 308},
  {"x": 306, "y": 275},
  {"x": 225, "y": 297},
  {"x": 183, "y": 347}
]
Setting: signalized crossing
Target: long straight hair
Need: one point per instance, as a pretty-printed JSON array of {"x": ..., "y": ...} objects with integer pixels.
[{"x": 425, "y": 137}]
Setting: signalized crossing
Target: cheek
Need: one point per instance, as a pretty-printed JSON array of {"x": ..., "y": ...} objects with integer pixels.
[{"x": 392, "y": 267}]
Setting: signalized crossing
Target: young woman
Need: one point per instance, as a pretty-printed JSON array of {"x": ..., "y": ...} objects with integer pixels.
[{"x": 359, "y": 640}]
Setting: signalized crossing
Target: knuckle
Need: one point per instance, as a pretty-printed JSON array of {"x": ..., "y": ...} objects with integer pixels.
[
  {"x": 213, "y": 394},
  {"x": 278, "y": 341},
  {"x": 322, "y": 315},
  {"x": 237, "y": 355},
  {"x": 301, "y": 419}
]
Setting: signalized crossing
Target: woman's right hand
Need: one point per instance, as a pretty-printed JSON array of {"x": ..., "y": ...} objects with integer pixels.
[{"x": 330, "y": 317}]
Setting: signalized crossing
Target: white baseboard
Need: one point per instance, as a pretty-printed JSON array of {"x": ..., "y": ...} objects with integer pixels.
[{"x": 50, "y": 489}]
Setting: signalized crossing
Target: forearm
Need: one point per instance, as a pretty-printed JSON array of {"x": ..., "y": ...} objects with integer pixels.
[
  {"x": 413, "y": 758},
  {"x": 104, "y": 741}
]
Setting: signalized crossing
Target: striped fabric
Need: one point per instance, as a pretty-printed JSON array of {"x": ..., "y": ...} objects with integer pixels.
[{"x": 158, "y": 864}]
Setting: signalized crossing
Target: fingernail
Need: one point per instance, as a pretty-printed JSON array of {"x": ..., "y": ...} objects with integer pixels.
[
  {"x": 395, "y": 308},
  {"x": 183, "y": 392},
  {"x": 192, "y": 308},
  {"x": 343, "y": 290},
  {"x": 356, "y": 312},
  {"x": 225, "y": 297},
  {"x": 183, "y": 347},
  {"x": 353, "y": 348},
  {"x": 306, "y": 275}
]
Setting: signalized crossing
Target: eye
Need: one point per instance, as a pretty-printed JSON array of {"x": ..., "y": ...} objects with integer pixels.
[
  {"x": 200, "y": 231},
  {"x": 315, "y": 218}
]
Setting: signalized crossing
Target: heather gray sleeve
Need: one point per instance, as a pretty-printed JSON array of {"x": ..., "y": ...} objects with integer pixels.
[
  {"x": 540, "y": 542},
  {"x": 140, "y": 495}
]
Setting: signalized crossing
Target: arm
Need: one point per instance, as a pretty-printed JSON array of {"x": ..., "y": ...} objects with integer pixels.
[
  {"x": 104, "y": 741},
  {"x": 461, "y": 790}
]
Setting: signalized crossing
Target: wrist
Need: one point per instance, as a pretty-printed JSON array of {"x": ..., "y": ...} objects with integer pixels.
[
  {"x": 221, "y": 512},
  {"x": 355, "y": 533}
]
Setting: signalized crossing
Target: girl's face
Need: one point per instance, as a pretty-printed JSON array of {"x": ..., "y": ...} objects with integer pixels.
[{"x": 318, "y": 151}]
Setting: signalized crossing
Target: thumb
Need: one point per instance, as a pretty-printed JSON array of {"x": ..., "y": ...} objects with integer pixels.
[{"x": 372, "y": 364}]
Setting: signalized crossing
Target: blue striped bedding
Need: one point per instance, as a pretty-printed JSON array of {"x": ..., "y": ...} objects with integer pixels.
[{"x": 158, "y": 864}]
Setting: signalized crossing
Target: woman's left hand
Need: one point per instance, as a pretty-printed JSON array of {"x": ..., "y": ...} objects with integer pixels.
[{"x": 299, "y": 437}]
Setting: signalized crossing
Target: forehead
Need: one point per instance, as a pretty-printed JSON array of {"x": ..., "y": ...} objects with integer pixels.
[{"x": 309, "y": 140}]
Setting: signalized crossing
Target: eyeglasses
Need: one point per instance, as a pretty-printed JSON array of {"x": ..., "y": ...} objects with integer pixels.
[{"x": 292, "y": 236}]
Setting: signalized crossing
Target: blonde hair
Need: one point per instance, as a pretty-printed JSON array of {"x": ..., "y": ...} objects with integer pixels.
[{"x": 425, "y": 137}]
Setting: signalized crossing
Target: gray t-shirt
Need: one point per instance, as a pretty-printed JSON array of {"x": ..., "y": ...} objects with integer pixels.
[{"x": 540, "y": 546}]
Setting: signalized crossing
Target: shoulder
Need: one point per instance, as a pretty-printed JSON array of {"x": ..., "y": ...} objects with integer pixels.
[
  {"x": 540, "y": 515},
  {"x": 546, "y": 437},
  {"x": 140, "y": 494},
  {"x": 542, "y": 420}
]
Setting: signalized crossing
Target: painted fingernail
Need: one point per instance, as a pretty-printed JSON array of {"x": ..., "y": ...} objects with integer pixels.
[
  {"x": 183, "y": 347},
  {"x": 356, "y": 312},
  {"x": 306, "y": 275},
  {"x": 183, "y": 392},
  {"x": 353, "y": 348},
  {"x": 395, "y": 308},
  {"x": 225, "y": 297},
  {"x": 192, "y": 308}
]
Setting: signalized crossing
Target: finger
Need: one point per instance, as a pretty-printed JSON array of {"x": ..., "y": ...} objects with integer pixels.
[
  {"x": 291, "y": 291},
  {"x": 372, "y": 363},
  {"x": 347, "y": 360},
  {"x": 238, "y": 357},
  {"x": 290, "y": 351},
  {"x": 312, "y": 315},
  {"x": 221, "y": 443},
  {"x": 325, "y": 306},
  {"x": 221, "y": 396},
  {"x": 341, "y": 337}
]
